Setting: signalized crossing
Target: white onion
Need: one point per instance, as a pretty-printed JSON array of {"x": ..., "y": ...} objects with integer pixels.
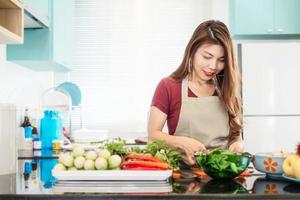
[
  {"x": 114, "y": 161},
  {"x": 78, "y": 151},
  {"x": 79, "y": 162},
  {"x": 59, "y": 167},
  {"x": 68, "y": 160},
  {"x": 104, "y": 154},
  {"x": 101, "y": 163},
  {"x": 89, "y": 165},
  {"x": 91, "y": 155}
]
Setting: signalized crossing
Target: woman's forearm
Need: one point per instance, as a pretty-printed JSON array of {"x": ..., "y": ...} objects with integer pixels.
[{"x": 170, "y": 140}]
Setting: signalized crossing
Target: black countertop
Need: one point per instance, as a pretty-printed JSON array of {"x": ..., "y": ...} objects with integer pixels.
[{"x": 33, "y": 180}]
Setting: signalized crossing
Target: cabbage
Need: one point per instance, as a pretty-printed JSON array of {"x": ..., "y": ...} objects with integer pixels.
[
  {"x": 91, "y": 155},
  {"x": 101, "y": 163},
  {"x": 79, "y": 162},
  {"x": 114, "y": 161},
  {"x": 89, "y": 165},
  {"x": 104, "y": 154}
]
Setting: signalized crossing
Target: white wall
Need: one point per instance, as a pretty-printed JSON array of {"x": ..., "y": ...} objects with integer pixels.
[
  {"x": 220, "y": 10},
  {"x": 21, "y": 87}
]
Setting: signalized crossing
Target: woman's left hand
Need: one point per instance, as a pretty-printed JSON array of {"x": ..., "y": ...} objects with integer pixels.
[{"x": 237, "y": 147}]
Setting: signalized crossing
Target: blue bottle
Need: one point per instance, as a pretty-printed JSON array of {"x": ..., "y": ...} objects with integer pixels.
[
  {"x": 51, "y": 128},
  {"x": 58, "y": 135}
]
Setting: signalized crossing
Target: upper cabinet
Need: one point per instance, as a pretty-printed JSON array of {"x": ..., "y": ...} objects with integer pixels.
[
  {"x": 40, "y": 6},
  {"x": 11, "y": 22},
  {"x": 287, "y": 16},
  {"x": 47, "y": 48},
  {"x": 264, "y": 17},
  {"x": 36, "y": 13}
]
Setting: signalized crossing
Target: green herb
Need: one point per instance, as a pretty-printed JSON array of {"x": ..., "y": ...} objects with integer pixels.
[
  {"x": 135, "y": 150},
  {"x": 221, "y": 163},
  {"x": 117, "y": 146},
  {"x": 163, "y": 152}
]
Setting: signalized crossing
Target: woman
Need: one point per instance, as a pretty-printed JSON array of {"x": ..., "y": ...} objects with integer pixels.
[{"x": 200, "y": 100}]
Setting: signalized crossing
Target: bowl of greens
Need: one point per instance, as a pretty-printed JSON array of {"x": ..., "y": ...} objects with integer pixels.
[
  {"x": 222, "y": 163},
  {"x": 223, "y": 187}
]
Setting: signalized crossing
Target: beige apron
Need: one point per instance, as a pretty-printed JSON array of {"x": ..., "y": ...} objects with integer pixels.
[{"x": 204, "y": 119}]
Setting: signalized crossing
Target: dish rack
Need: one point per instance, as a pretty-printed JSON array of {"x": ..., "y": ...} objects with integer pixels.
[{"x": 66, "y": 99}]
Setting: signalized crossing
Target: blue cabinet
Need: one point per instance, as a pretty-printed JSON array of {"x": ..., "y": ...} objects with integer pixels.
[
  {"x": 287, "y": 16},
  {"x": 250, "y": 17},
  {"x": 47, "y": 49},
  {"x": 264, "y": 17}
]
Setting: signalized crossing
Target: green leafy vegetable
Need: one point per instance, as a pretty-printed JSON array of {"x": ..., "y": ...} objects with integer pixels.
[
  {"x": 222, "y": 164},
  {"x": 163, "y": 152},
  {"x": 117, "y": 146}
]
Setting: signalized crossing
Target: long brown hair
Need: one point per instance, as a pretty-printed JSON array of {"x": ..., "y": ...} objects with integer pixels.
[{"x": 216, "y": 32}]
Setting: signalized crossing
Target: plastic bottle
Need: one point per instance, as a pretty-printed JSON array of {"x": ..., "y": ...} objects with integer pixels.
[
  {"x": 50, "y": 128},
  {"x": 47, "y": 129},
  {"x": 26, "y": 122},
  {"x": 24, "y": 136},
  {"x": 37, "y": 144}
]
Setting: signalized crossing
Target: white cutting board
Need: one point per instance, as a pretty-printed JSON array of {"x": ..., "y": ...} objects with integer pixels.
[{"x": 116, "y": 175}]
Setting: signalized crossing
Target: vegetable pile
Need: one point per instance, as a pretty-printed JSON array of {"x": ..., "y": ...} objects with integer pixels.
[
  {"x": 222, "y": 164},
  {"x": 165, "y": 153},
  {"x": 155, "y": 156},
  {"x": 80, "y": 159}
]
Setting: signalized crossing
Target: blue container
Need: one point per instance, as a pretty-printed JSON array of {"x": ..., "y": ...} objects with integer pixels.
[
  {"x": 46, "y": 166},
  {"x": 51, "y": 128},
  {"x": 27, "y": 167},
  {"x": 28, "y": 132}
]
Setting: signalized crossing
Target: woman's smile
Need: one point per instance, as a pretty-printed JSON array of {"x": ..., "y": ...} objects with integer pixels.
[{"x": 208, "y": 74}]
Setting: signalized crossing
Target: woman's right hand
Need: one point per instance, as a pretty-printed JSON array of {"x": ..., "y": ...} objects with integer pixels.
[{"x": 190, "y": 146}]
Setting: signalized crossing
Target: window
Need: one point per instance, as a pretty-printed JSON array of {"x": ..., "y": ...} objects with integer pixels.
[{"x": 122, "y": 50}]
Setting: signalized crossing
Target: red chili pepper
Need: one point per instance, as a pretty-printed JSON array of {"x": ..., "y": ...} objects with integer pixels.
[
  {"x": 143, "y": 157},
  {"x": 144, "y": 168},
  {"x": 144, "y": 164}
]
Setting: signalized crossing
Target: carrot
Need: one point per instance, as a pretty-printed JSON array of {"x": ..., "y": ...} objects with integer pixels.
[
  {"x": 144, "y": 164},
  {"x": 246, "y": 173},
  {"x": 199, "y": 172},
  {"x": 142, "y": 157},
  {"x": 144, "y": 168},
  {"x": 176, "y": 175}
]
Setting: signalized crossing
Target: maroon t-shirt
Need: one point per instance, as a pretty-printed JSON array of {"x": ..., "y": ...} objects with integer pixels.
[{"x": 167, "y": 98}]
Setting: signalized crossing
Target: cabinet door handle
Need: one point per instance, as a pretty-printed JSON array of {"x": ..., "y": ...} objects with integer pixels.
[
  {"x": 279, "y": 30},
  {"x": 269, "y": 30}
]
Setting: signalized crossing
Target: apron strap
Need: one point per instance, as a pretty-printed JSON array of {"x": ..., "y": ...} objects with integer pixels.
[{"x": 185, "y": 89}]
